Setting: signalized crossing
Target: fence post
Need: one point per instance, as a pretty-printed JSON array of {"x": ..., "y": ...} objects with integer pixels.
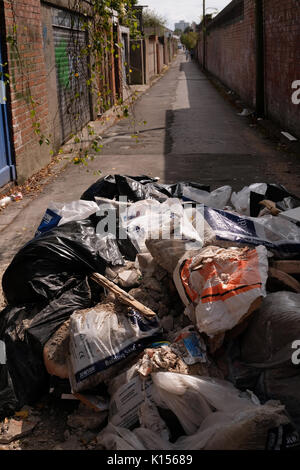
[
  {"x": 204, "y": 37},
  {"x": 260, "y": 60}
]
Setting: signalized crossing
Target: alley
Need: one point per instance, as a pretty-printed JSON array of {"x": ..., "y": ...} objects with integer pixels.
[
  {"x": 192, "y": 133},
  {"x": 186, "y": 131}
]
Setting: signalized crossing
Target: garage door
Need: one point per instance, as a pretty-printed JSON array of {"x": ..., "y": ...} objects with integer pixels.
[{"x": 72, "y": 72}]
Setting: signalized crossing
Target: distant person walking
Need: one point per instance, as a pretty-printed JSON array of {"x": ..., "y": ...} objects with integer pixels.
[{"x": 187, "y": 54}]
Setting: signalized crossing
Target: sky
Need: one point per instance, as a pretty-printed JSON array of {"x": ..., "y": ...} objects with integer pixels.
[{"x": 188, "y": 10}]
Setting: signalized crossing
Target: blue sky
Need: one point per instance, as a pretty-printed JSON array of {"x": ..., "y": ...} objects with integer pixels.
[{"x": 188, "y": 10}]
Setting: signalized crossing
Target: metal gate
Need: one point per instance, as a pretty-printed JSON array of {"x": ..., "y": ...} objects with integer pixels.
[
  {"x": 7, "y": 169},
  {"x": 72, "y": 72}
]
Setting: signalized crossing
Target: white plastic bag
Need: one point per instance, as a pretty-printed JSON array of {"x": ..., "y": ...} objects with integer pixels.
[
  {"x": 152, "y": 440},
  {"x": 174, "y": 233},
  {"x": 150, "y": 220},
  {"x": 150, "y": 419},
  {"x": 138, "y": 220},
  {"x": 217, "y": 199},
  {"x": 214, "y": 414},
  {"x": 181, "y": 397},
  {"x": 118, "y": 438},
  {"x": 217, "y": 416},
  {"x": 199, "y": 397},
  {"x": 264, "y": 427},
  {"x": 60, "y": 213},
  {"x": 241, "y": 200},
  {"x": 126, "y": 401}
]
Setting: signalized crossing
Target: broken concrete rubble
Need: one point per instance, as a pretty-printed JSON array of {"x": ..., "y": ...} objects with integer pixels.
[
  {"x": 86, "y": 419},
  {"x": 127, "y": 276},
  {"x": 162, "y": 358},
  {"x": 56, "y": 352},
  {"x": 13, "y": 429}
]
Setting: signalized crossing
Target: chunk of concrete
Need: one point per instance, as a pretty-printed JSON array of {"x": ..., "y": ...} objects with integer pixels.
[{"x": 12, "y": 429}]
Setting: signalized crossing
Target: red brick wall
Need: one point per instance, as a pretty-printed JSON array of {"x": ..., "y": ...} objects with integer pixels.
[
  {"x": 282, "y": 61},
  {"x": 28, "y": 78},
  {"x": 231, "y": 56}
]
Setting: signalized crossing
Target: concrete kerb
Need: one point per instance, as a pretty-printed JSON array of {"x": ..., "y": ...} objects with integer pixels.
[{"x": 11, "y": 212}]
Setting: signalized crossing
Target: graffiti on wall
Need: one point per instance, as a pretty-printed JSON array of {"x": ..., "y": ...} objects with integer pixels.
[{"x": 62, "y": 64}]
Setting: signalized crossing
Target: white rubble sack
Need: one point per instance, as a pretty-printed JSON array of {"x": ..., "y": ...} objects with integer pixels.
[
  {"x": 215, "y": 416},
  {"x": 102, "y": 338}
]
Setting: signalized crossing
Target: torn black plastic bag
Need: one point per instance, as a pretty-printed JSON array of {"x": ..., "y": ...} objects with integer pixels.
[
  {"x": 112, "y": 186},
  {"x": 26, "y": 329},
  {"x": 8, "y": 399},
  {"x": 136, "y": 188},
  {"x": 38, "y": 271}
]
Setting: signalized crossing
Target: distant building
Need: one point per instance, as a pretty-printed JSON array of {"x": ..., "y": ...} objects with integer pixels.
[{"x": 182, "y": 25}]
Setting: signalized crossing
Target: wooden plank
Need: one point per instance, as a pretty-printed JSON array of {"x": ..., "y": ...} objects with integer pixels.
[
  {"x": 271, "y": 206},
  {"x": 287, "y": 266},
  {"x": 122, "y": 295},
  {"x": 285, "y": 278}
]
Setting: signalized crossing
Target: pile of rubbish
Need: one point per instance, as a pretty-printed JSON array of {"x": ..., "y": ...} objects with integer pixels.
[{"x": 171, "y": 311}]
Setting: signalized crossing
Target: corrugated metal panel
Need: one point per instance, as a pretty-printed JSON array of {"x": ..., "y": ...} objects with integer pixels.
[{"x": 72, "y": 73}]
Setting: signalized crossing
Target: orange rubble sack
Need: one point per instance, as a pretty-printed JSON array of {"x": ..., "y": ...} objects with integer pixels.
[{"x": 221, "y": 287}]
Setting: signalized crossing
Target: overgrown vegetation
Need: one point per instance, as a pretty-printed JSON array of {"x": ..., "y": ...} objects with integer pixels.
[
  {"x": 95, "y": 17},
  {"x": 153, "y": 20},
  {"x": 189, "y": 40}
]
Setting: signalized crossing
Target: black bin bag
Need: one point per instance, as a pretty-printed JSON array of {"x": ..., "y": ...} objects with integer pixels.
[
  {"x": 136, "y": 188},
  {"x": 45, "y": 283},
  {"x": 36, "y": 272},
  {"x": 26, "y": 329},
  {"x": 113, "y": 186}
]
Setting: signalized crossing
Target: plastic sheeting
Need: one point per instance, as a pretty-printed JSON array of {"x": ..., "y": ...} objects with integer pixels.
[
  {"x": 136, "y": 188},
  {"x": 225, "y": 229}
]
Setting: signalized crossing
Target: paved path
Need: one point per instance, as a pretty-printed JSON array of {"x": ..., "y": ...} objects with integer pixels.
[{"x": 190, "y": 133}]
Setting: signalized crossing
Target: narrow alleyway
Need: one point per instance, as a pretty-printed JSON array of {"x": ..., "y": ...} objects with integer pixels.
[
  {"x": 193, "y": 133},
  {"x": 187, "y": 131}
]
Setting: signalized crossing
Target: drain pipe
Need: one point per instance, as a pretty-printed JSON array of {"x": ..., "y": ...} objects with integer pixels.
[
  {"x": 260, "y": 58},
  {"x": 204, "y": 38}
]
